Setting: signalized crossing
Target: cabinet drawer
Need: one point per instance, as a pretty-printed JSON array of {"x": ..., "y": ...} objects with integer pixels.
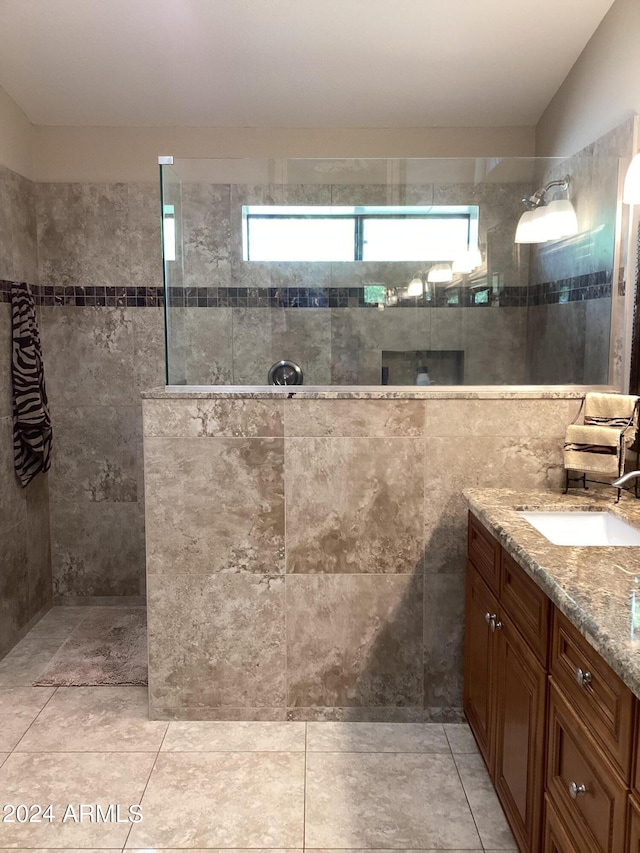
[
  {"x": 603, "y": 703},
  {"x": 633, "y": 826},
  {"x": 583, "y": 787},
  {"x": 527, "y": 605},
  {"x": 484, "y": 553},
  {"x": 556, "y": 836}
]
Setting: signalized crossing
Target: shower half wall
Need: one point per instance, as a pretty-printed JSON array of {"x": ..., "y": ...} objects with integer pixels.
[{"x": 306, "y": 549}]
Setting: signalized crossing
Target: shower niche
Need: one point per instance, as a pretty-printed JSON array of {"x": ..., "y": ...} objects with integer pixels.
[{"x": 404, "y": 367}]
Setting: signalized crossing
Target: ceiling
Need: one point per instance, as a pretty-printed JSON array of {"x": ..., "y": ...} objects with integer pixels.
[{"x": 290, "y": 63}]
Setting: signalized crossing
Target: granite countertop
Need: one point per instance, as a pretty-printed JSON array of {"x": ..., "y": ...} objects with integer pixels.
[
  {"x": 597, "y": 588},
  {"x": 372, "y": 392}
]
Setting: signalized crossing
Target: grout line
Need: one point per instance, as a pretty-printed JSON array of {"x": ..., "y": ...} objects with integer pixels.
[
  {"x": 144, "y": 791},
  {"x": 464, "y": 791},
  {"x": 304, "y": 800}
]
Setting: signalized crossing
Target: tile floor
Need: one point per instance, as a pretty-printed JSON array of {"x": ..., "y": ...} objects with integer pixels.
[{"x": 215, "y": 785}]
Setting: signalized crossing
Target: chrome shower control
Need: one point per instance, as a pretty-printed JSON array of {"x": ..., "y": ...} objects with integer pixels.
[
  {"x": 583, "y": 677},
  {"x": 285, "y": 373},
  {"x": 576, "y": 790}
]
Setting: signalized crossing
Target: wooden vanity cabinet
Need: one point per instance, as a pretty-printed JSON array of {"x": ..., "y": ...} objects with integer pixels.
[{"x": 558, "y": 729}]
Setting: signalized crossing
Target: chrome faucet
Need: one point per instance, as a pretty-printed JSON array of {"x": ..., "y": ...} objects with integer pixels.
[{"x": 625, "y": 478}]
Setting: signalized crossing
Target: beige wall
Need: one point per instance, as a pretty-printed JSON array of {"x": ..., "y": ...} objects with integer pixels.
[
  {"x": 16, "y": 137},
  {"x": 602, "y": 89},
  {"x": 131, "y": 154}
]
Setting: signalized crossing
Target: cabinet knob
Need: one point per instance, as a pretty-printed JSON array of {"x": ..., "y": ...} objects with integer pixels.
[
  {"x": 583, "y": 677},
  {"x": 497, "y": 626},
  {"x": 576, "y": 790},
  {"x": 490, "y": 618}
]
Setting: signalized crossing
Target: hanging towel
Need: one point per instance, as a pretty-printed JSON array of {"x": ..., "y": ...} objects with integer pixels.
[
  {"x": 593, "y": 449},
  {"x": 610, "y": 410},
  {"x": 31, "y": 422}
]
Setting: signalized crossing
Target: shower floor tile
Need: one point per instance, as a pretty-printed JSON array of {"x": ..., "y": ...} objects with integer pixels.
[
  {"x": 19, "y": 706},
  {"x": 95, "y": 719},
  {"x": 256, "y": 787}
]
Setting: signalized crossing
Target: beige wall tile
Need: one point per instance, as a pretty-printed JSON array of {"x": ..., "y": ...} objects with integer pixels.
[
  {"x": 224, "y": 417},
  {"x": 214, "y": 505},
  {"x": 351, "y": 418},
  {"x": 233, "y": 627},
  {"x": 354, "y": 640},
  {"x": 353, "y": 504}
]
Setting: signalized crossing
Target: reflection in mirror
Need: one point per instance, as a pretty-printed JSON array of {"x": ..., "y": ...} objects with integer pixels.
[{"x": 364, "y": 272}]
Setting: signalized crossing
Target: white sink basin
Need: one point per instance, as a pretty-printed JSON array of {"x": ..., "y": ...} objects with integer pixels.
[{"x": 583, "y": 528}]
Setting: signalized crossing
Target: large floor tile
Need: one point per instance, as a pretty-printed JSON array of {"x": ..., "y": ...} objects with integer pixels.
[
  {"x": 487, "y": 813},
  {"x": 3, "y": 757},
  {"x": 66, "y": 779},
  {"x": 95, "y": 719},
  {"x": 24, "y": 663},
  {"x": 460, "y": 738},
  {"x": 391, "y": 801},
  {"x": 19, "y": 706},
  {"x": 376, "y": 737},
  {"x": 234, "y": 737},
  {"x": 237, "y": 799},
  {"x": 59, "y": 622}
]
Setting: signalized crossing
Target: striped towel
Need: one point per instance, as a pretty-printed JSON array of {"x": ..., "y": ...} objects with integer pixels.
[{"x": 31, "y": 422}]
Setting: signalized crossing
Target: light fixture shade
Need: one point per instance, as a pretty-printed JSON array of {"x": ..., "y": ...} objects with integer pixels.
[
  {"x": 440, "y": 273},
  {"x": 631, "y": 191},
  {"x": 560, "y": 219},
  {"x": 531, "y": 227},
  {"x": 416, "y": 287}
]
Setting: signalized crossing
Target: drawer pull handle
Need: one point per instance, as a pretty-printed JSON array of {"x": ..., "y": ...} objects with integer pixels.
[
  {"x": 576, "y": 790},
  {"x": 583, "y": 677},
  {"x": 490, "y": 619}
]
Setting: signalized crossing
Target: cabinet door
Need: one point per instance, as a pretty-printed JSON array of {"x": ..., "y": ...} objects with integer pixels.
[
  {"x": 521, "y": 685},
  {"x": 479, "y": 645}
]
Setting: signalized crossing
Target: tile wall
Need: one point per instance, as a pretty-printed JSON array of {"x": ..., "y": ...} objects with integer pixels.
[
  {"x": 306, "y": 558},
  {"x": 25, "y": 558}
]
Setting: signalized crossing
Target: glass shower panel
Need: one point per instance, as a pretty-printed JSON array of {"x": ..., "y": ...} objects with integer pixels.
[
  {"x": 476, "y": 308},
  {"x": 176, "y": 341}
]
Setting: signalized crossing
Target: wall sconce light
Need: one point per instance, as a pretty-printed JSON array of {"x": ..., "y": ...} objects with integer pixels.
[
  {"x": 440, "y": 273},
  {"x": 416, "y": 286},
  {"x": 467, "y": 262},
  {"x": 631, "y": 191},
  {"x": 544, "y": 221}
]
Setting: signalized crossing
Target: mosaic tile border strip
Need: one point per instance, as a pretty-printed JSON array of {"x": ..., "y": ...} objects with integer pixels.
[{"x": 579, "y": 288}]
